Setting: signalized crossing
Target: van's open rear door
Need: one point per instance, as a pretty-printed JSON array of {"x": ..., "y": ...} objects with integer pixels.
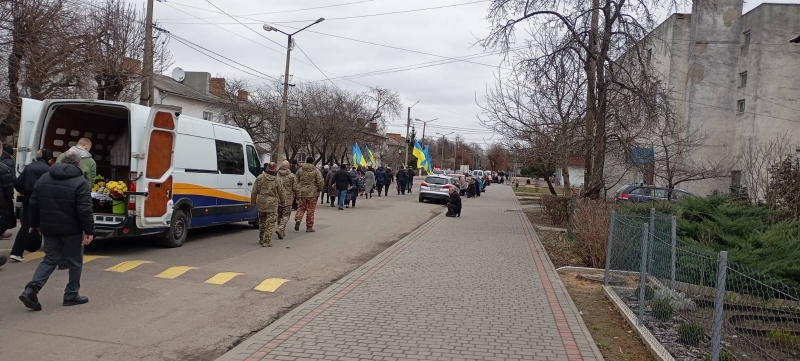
[
  {"x": 158, "y": 149},
  {"x": 30, "y": 117}
]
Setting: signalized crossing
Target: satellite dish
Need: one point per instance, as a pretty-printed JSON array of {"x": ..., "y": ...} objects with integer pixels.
[{"x": 178, "y": 74}]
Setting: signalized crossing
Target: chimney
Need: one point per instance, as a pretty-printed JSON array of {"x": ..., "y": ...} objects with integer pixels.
[
  {"x": 216, "y": 86},
  {"x": 197, "y": 80},
  {"x": 373, "y": 127},
  {"x": 242, "y": 95}
]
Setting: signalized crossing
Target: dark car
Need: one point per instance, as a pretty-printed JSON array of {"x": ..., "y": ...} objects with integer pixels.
[{"x": 640, "y": 193}]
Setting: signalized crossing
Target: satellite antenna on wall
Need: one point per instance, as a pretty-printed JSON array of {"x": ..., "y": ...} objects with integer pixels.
[{"x": 178, "y": 74}]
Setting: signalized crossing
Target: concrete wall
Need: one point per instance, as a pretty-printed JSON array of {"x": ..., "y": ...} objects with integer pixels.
[{"x": 191, "y": 107}]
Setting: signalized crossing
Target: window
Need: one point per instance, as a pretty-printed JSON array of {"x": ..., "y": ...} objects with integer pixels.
[
  {"x": 660, "y": 193},
  {"x": 747, "y": 37},
  {"x": 208, "y": 116},
  {"x": 743, "y": 79},
  {"x": 253, "y": 162},
  {"x": 230, "y": 157},
  {"x": 436, "y": 180},
  {"x": 736, "y": 178},
  {"x": 641, "y": 191},
  {"x": 740, "y": 106}
]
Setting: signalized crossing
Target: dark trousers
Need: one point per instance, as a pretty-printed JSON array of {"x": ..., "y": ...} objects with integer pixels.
[
  {"x": 67, "y": 250},
  {"x": 410, "y": 185},
  {"x": 322, "y": 196},
  {"x": 380, "y": 189},
  {"x": 9, "y": 221},
  {"x": 401, "y": 186},
  {"x": 453, "y": 210},
  {"x": 342, "y": 197},
  {"x": 19, "y": 242}
]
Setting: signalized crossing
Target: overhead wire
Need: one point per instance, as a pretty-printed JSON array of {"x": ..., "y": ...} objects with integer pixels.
[
  {"x": 266, "y": 13},
  {"x": 315, "y": 65}
]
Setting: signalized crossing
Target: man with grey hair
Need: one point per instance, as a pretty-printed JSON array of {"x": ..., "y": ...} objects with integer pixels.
[{"x": 61, "y": 210}]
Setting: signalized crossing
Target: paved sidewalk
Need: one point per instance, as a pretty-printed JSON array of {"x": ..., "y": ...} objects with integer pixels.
[{"x": 479, "y": 287}]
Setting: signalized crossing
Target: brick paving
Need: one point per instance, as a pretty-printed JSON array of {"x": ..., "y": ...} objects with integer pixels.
[{"x": 479, "y": 287}]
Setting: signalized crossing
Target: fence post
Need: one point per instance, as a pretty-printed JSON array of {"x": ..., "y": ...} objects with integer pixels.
[
  {"x": 643, "y": 274},
  {"x": 650, "y": 240},
  {"x": 719, "y": 304},
  {"x": 570, "y": 231},
  {"x": 673, "y": 258},
  {"x": 609, "y": 245}
]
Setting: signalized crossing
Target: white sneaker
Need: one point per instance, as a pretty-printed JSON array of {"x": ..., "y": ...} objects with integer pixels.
[{"x": 16, "y": 258}]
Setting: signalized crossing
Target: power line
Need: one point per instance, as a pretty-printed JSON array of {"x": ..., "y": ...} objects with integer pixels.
[
  {"x": 266, "y": 13},
  {"x": 187, "y": 44},
  {"x": 258, "y": 21},
  {"x": 315, "y": 65},
  {"x": 248, "y": 28}
]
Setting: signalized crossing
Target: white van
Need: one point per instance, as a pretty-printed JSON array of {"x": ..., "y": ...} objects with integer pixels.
[{"x": 182, "y": 172}]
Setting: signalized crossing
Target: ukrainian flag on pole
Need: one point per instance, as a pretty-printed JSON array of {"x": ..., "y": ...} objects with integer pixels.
[
  {"x": 369, "y": 153},
  {"x": 428, "y": 164},
  {"x": 355, "y": 154},
  {"x": 358, "y": 156},
  {"x": 420, "y": 154}
]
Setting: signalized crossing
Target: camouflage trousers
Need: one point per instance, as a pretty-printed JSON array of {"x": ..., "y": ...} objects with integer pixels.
[
  {"x": 284, "y": 212},
  {"x": 308, "y": 204},
  {"x": 266, "y": 225}
]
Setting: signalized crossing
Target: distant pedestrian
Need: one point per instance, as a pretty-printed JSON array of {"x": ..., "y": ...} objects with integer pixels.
[
  {"x": 478, "y": 186},
  {"x": 330, "y": 184},
  {"x": 402, "y": 180},
  {"x": 343, "y": 183},
  {"x": 454, "y": 204},
  {"x": 290, "y": 191},
  {"x": 310, "y": 182},
  {"x": 324, "y": 194},
  {"x": 61, "y": 210},
  {"x": 24, "y": 185},
  {"x": 294, "y": 167},
  {"x": 7, "y": 218},
  {"x": 471, "y": 191},
  {"x": 410, "y": 180},
  {"x": 389, "y": 180},
  {"x": 267, "y": 194},
  {"x": 352, "y": 194},
  {"x": 380, "y": 179},
  {"x": 88, "y": 165},
  {"x": 369, "y": 182}
]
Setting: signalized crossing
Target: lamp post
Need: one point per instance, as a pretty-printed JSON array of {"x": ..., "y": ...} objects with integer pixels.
[
  {"x": 284, "y": 103},
  {"x": 424, "y": 124},
  {"x": 443, "y": 135}
]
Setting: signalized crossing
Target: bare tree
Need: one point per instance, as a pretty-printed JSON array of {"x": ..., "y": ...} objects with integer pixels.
[
  {"x": 254, "y": 109},
  {"x": 756, "y": 160},
  {"x": 499, "y": 157}
]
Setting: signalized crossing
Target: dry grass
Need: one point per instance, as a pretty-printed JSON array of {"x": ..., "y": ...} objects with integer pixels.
[{"x": 590, "y": 222}]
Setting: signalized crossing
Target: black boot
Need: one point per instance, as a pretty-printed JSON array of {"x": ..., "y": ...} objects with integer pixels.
[
  {"x": 77, "y": 300},
  {"x": 30, "y": 300}
]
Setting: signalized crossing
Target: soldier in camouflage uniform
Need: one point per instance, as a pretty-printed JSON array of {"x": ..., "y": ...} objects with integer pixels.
[
  {"x": 267, "y": 194},
  {"x": 290, "y": 191},
  {"x": 310, "y": 183}
]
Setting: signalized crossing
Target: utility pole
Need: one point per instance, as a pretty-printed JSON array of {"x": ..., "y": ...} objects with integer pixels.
[
  {"x": 455, "y": 155},
  {"x": 146, "y": 92},
  {"x": 284, "y": 102},
  {"x": 408, "y": 125}
]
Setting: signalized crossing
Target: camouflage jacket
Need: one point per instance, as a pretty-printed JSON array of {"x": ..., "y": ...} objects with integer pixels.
[
  {"x": 290, "y": 187},
  {"x": 310, "y": 181},
  {"x": 267, "y": 193}
]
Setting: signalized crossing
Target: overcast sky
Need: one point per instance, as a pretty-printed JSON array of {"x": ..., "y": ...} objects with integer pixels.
[{"x": 446, "y": 91}]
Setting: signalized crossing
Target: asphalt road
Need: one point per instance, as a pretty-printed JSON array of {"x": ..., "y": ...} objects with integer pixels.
[{"x": 148, "y": 310}]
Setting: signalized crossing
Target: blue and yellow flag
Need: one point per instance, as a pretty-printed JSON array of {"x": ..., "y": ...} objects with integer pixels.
[
  {"x": 428, "y": 160},
  {"x": 420, "y": 154},
  {"x": 355, "y": 154},
  {"x": 369, "y": 153},
  {"x": 359, "y": 157}
]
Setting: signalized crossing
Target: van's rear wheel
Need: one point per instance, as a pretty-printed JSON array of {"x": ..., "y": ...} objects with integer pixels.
[{"x": 178, "y": 229}]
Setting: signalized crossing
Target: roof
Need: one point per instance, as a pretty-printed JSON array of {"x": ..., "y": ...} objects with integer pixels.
[{"x": 169, "y": 85}]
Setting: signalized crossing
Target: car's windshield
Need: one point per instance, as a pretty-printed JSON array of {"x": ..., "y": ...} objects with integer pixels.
[{"x": 436, "y": 180}]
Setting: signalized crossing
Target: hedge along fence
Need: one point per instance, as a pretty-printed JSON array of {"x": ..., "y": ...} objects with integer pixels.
[
  {"x": 590, "y": 223},
  {"x": 556, "y": 208}
]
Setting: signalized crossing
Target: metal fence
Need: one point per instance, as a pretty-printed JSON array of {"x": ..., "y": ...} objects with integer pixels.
[{"x": 693, "y": 301}]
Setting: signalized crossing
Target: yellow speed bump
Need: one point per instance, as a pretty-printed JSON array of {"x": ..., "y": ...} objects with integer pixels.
[
  {"x": 89, "y": 258},
  {"x": 270, "y": 284},
  {"x": 174, "y": 272},
  {"x": 222, "y": 278},
  {"x": 126, "y": 266},
  {"x": 33, "y": 256}
]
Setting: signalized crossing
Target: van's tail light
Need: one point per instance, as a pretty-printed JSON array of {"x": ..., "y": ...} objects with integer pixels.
[
  {"x": 623, "y": 196},
  {"x": 132, "y": 199}
]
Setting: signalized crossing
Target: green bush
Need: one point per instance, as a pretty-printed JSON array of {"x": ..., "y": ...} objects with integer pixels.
[
  {"x": 690, "y": 334},
  {"x": 723, "y": 356},
  {"x": 662, "y": 310},
  {"x": 649, "y": 292},
  {"x": 784, "y": 338}
]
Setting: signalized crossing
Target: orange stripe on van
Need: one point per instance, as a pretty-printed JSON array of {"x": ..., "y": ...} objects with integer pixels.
[{"x": 194, "y": 189}]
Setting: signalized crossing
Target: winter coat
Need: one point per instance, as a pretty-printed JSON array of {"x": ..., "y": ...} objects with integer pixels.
[
  {"x": 380, "y": 176},
  {"x": 410, "y": 174},
  {"x": 369, "y": 181},
  {"x": 402, "y": 175},
  {"x": 325, "y": 172},
  {"x": 389, "y": 176},
  {"x": 289, "y": 186},
  {"x": 268, "y": 193},
  {"x": 6, "y": 189},
  {"x": 32, "y": 172},
  {"x": 88, "y": 165},
  {"x": 455, "y": 199},
  {"x": 355, "y": 179},
  {"x": 342, "y": 180},
  {"x": 61, "y": 203},
  {"x": 309, "y": 180},
  {"x": 330, "y": 184},
  {"x": 6, "y": 159}
]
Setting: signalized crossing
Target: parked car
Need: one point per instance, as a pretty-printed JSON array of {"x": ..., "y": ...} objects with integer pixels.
[
  {"x": 640, "y": 193},
  {"x": 436, "y": 187}
]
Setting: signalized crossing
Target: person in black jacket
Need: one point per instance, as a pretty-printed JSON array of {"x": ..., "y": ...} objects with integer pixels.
[
  {"x": 24, "y": 185},
  {"x": 380, "y": 179},
  {"x": 402, "y": 179},
  {"x": 410, "y": 179},
  {"x": 7, "y": 218},
  {"x": 389, "y": 180},
  {"x": 454, "y": 204},
  {"x": 61, "y": 209},
  {"x": 324, "y": 194},
  {"x": 343, "y": 182}
]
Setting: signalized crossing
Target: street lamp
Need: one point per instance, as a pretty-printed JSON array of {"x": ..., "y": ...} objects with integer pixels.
[
  {"x": 424, "y": 124},
  {"x": 444, "y": 135},
  {"x": 282, "y": 132}
]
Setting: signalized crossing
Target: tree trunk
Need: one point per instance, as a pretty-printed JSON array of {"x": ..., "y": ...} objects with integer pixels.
[
  {"x": 14, "y": 68},
  {"x": 591, "y": 101},
  {"x": 567, "y": 184},
  {"x": 550, "y": 186}
]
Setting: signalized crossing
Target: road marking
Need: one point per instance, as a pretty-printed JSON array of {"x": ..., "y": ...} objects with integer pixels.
[
  {"x": 270, "y": 284},
  {"x": 33, "y": 256},
  {"x": 127, "y": 266},
  {"x": 222, "y": 278},
  {"x": 89, "y": 257},
  {"x": 174, "y": 272}
]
